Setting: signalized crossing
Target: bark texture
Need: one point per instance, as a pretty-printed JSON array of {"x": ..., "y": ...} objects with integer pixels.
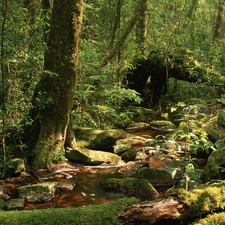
[
  {"x": 53, "y": 96},
  {"x": 180, "y": 207}
]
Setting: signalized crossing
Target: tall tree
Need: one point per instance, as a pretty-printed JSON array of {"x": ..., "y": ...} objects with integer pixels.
[{"x": 53, "y": 96}]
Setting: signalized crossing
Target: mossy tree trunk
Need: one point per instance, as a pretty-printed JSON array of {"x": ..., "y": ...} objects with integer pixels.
[{"x": 53, "y": 96}]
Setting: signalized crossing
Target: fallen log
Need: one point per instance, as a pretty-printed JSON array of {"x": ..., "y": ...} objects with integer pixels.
[{"x": 178, "y": 205}]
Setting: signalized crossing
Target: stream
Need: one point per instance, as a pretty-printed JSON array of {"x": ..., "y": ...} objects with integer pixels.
[{"x": 85, "y": 181}]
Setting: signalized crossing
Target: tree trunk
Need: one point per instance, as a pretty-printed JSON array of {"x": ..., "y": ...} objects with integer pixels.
[
  {"x": 53, "y": 96},
  {"x": 178, "y": 208},
  {"x": 120, "y": 42},
  {"x": 219, "y": 21},
  {"x": 142, "y": 26}
]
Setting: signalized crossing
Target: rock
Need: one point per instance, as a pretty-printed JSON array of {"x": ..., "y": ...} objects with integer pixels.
[
  {"x": 16, "y": 165},
  {"x": 131, "y": 168},
  {"x": 38, "y": 193},
  {"x": 97, "y": 139},
  {"x": 92, "y": 157},
  {"x": 66, "y": 186},
  {"x": 131, "y": 187},
  {"x": 215, "y": 161},
  {"x": 13, "y": 204},
  {"x": 143, "y": 114},
  {"x": 129, "y": 155},
  {"x": 163, "y": 125},
  {"x": 122, "y": 145},
  {"x": 4, "y": 193},
  {"x": 158, "y": 176}
]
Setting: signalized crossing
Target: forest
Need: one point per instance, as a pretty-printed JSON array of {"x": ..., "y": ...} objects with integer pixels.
[{"x": 78, "y": 68}]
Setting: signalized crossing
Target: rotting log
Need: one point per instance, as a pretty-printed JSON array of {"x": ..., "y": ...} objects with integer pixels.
[
  {"x": 177, "y": 205},
  {"x": 153, "y": 212}
]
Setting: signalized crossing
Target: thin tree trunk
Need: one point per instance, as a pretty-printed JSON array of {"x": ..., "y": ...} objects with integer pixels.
[
  {"x": 53, "y": 96},
  {"x": 120, "y": 42},
  {"x": 219, "y": 21},
  {"x": 142, "y": 28}
]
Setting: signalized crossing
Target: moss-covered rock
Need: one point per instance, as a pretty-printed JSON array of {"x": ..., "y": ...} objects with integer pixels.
[
  {"x": 15, "y": 203},
  {"x": 212, "y": 169},
  {"x": 92, "y": 157},
  {"x": 129, "y": 155},
  {"x": 38, "y": 193},
  {"x": 16, "y": 165},
  {"x": 158, "y": 176},
  {"x": 143, "y": 114},
  {"x": 122, "y": 145},
  {"x": 163, "y": 125},
  {"x": 97, "y": 139},
  {"x": 131, "y": 187}
]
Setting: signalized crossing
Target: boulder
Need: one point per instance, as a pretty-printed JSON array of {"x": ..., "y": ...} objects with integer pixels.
[
  {"x": 66, "y": 186},
  {"x": 163, "y": 125},
  {"x": 97, "y": 139},
  {"x": 16, "y": 165},
  {"x": 38, "y": 193},
  {"x": 143, "y": 114},
  {"x": 13, "y": 204},
  {"x": 214, "y": 166},
  {"x": 122, "y": 145},
  {"x": 92, "y": 157},
  {"x": 131, "y": 168},
  {"x": 158, "y": 176},
  {"x": 131, "y": 187},
  {"x": 4, "y": 193}
]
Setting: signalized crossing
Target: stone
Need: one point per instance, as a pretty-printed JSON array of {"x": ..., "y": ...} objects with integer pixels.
[
  {"x": 122, "y": 145},
  {"x": 16, "y": 165},
  {"x": 163, "y": 125},
  {"x": 97, "y": 139},
  {"x": 132, "y": 187},
  {"x": 66, "y": 186},
  {"x": 131, "y": 168},
  {"x": 4, "y": 193},
  {"x": 92, "y": 157},
  {"x": 213, "y": 168},
  {"x": 38, "y": 193},
  {"x": 13, "y": 204},
  {"x": 129, "y": 155},
  {"x": 158, "y": 176}
]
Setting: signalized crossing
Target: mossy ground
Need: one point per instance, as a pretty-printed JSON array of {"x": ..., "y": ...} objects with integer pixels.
[
  {"x": 214, "y": 219},
  {"x": 203, "y": 200},
  {"x": 106, "y": 214}
]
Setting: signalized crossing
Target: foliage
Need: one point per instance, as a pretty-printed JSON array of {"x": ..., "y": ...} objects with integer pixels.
[{"x": 101, "y": 97}]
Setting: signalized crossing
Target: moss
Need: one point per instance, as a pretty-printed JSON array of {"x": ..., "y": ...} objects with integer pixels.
[
  {"x": 214, "y": 219},
  {"x": 207, "y": 199},
  {"x": 106, "y": 214}
]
